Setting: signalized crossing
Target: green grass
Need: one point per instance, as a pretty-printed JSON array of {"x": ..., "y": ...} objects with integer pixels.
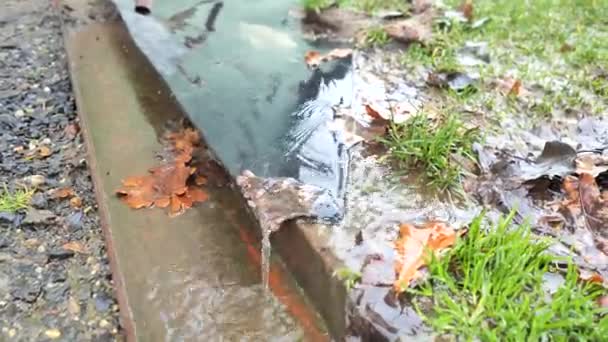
[
  {"x": 526, "y": 40},
  {"x": 376, "y": 36},
  {"x": 349, "y": 277},
  {"x": 489, "y": 288},
  {"x": 430, "y": 146},
  {"x": 11, "y": 202},
  {"x": 367, "y": 6}
]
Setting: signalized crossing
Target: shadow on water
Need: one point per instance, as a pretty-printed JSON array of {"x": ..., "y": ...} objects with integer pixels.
[{"x": 236, "y": 67}]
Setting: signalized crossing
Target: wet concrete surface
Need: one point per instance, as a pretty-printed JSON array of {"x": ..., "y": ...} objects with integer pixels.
[{"x": 188, "y": 278}]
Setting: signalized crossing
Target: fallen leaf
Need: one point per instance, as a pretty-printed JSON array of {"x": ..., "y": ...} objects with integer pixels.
[
  {"x": 75, "y": 246},
  {"x": 200, "y": 180},
  {"x": 163, "y": 202},
  {"x": 467, "y": 9},
  {"x": 511, "y": 86},
  {"x": 76, "y": 202},
  {"x": 71, "y": 131},
  {"x": 176, "y": 207},
  {"x": 63, "y": 193},
  {"x": 409, "y": 30},
  {"x": 166, "y": 185},
  {"x": 591, "y": 277},
  {"x": 197, "y": 195},
  {"x": 44, "y": 151},
  {"x": 591, "y": 163},
  {"x": 411, "y": 246},
  {"x": 313, "y": 59},
  {"x": 595, "y": 210},
  {"x": 603, "y": 301}
]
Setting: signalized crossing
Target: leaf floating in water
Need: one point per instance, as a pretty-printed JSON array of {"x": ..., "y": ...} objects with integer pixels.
[
  {"x": 412, "y": 245},
  {"x": 314, "y": 58}
]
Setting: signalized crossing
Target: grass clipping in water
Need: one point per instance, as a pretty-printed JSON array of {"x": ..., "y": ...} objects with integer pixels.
[{"x": 490, "y": 287}]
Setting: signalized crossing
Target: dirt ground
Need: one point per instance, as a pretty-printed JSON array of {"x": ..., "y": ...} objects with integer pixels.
[{"x": 55, "y": 281}]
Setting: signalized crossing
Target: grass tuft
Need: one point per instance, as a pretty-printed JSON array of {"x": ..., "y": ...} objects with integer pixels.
[
  {"x": 376, "y": 36},
  {"x": 489, "y": 287},
  {"x": 349, "y": 277},
  {"x": 431, "y": 146},
  {"x": 11, "y": 202}
]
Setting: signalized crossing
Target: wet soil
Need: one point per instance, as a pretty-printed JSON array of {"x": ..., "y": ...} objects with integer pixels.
[{"x": 47, "y": 289}]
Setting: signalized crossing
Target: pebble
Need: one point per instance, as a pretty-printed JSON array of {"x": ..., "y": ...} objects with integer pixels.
[
  {"x": 12, "y": 333},
  {"x": 103, "y": 323},
  {"x": 19, "y": 113},
  {"x": 36, "y": 180},
  {"x": 53, "y": 334}
]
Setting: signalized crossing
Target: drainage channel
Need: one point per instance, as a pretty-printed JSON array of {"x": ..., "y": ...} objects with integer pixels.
[{"x": 191, "y": 278}]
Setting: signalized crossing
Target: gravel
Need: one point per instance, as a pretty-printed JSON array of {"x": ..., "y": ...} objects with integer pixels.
[{"x": 55, "y": 281}]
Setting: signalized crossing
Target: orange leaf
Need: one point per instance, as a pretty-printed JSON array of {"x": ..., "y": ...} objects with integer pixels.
[
  {"x": 373, "y": 113},
  {"x": 176, "y": 207},
  {"x": 467, "y": 9},
  {"x": 186, "y": 201},
  {"x": 75, "y": 246},
  {"x": 200, "y": 180},
  {"x": 135, "y": 181},
  {"x": 515, "y": 88},
  {"x": 313, "y": 58},
  {"x": 44, "y": 151},
  {"x": 76, "y": 202},
  {"x": 63, "y": 193},
  {"x": 197, "y": 195},
  {"x": 162, "y": 202},
  {"x": 411, "y": 247}
]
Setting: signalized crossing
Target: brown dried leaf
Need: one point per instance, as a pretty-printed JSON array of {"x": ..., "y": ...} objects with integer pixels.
[
  {"x": 467, "y": 9},
  {"x": 197, "y": 195},
  {"x": 418, "y": 28},
  {"x": 163, "y": 202},
  {"x": 63, "y": 193},
  {"x": 71, "y": 131},
  {"x": 75, "y": 246},
  {"x": 200, "y": 180},
  {"x": 314, "y": 58},
  {"x": 76, "y": 202},
  {"x": 411, "y": 247},
  {"x": 44, "y": 151},
  {"x": 176, "y": 207}
]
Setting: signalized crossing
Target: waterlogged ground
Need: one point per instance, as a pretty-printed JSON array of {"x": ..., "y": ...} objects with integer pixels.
[{"x": 489, "y": 105}]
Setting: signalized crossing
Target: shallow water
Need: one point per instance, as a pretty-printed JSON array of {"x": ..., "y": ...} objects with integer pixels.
[
  {"x": 189, "y": 278},
  {"x": 244, "y": 83}
]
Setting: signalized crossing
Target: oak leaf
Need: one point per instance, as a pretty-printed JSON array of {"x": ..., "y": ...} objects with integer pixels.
[{"x": 411, "y": 247}]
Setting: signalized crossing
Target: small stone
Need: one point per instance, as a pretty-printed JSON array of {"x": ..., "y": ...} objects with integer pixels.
[
  {"x": 36, "y": 180},
  {"x": 73, "y": 306},
  {"x": 103, "y": 323},
  {"x": 39, "y": 201},
  {"x": 53, "y": 334},
  {"x": 19, "y": 113},
  {"x": 102, "y": 303},
  {"x": 12, "y": 332},
  {"x": 41, "y": 249},
  {"x": 47, "y": 89},
  {"x": 35, "y": 216},
  {"x": 60, "y": 254},
  {"x": 31, "y": 243}
]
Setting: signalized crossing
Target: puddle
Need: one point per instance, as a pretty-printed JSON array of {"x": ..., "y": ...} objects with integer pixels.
[{"x": 186, "y": 278}]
